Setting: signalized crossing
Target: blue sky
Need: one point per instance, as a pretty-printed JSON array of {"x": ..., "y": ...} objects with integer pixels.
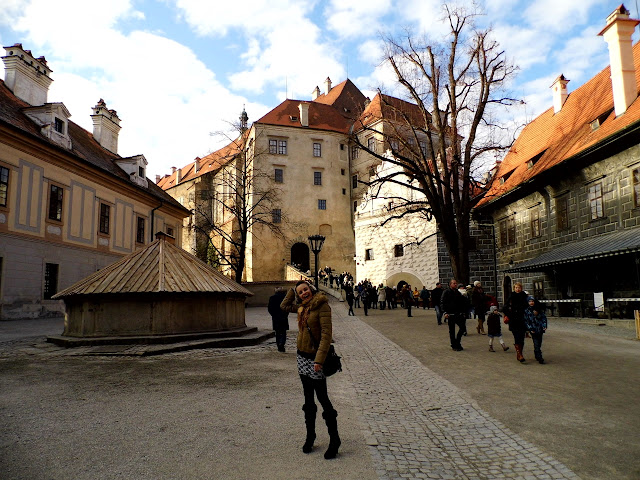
[{"x": 177, "y": 71}]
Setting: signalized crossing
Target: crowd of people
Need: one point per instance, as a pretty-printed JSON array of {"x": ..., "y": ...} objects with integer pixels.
[{"x": 454, "y": 305}]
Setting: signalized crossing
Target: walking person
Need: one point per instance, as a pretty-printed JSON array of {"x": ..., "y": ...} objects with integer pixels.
[
  {"x": 536, "y": 323},
  {"x": 348, "y": 292},
  {"x": 382, "y": 296},
  {"x": 454, "y": 307},
  {"x": 279, "y": 318},
  {"x": 436, "y": 296},
  {"x": 494, "y": 329},
  {"x": 314, "y": 339},
  {"x": 479, "y": 303},
  {"x": 514, "y": 311},
  {"x": 365, "y": 301},
  {"x": 424, "y": 296}
]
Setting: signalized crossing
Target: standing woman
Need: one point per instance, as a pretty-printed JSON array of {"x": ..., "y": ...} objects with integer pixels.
[
  {"x": 314, "y": 339},
  {"x": 514, "y": 309}
]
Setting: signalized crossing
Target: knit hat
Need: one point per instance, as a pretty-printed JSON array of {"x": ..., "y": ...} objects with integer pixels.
[
  {"x": 493, "y": 308},
  {"x": 476, "y": 283},
  {"x": 531, "y": 297}
]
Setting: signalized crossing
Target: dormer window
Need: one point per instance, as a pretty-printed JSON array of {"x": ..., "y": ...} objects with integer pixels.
[
  {"x": 535, "y": 159},
  {"x": 595, "y": 124},
  {"x": 505, "y": 177},
  {"x": 293, "y": 118},
  {"x": 58, "y": 125},
  {"x": 141, "y": 172}
]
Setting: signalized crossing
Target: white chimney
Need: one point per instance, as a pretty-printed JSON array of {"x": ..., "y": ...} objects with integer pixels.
[
  {"x": 327, "y": 86},
  {"x": 316, "y": 93},
  {"x": 304, "y": 114},
  {"x": 106, "y": 126},
  {"x": 178, "y": 175},
  {"x": 560, "y": 92},
  {"x": 27, "y": 77},
  {"x": 617, "y": 34}
]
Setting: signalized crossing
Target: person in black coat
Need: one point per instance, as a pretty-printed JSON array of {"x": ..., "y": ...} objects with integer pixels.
[
  {"x": 514, "y": 309},
  {"x": 279, "y": 318},
  {"x": 436, "y": 297},
  {"x": 454, "y": 309}
]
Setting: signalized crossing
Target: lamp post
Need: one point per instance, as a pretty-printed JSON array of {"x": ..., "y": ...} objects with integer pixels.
[{"x": 316, "y": 242}]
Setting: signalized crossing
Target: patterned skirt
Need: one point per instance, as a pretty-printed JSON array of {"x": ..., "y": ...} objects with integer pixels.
[{"x": 305, "y": 367}]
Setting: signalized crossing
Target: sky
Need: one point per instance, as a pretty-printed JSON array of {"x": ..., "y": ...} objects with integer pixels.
[{"x": 178, "y": 72}]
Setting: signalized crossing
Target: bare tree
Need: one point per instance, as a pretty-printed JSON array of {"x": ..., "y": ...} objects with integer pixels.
[
  {"x": 444, "y": 130},
  {"x": 235, "y": 199}
]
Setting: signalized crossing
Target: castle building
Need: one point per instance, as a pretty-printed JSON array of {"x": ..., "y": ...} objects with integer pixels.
[
  {"x": 565, "y": 200},
  {"x": 69, "y": 203}
]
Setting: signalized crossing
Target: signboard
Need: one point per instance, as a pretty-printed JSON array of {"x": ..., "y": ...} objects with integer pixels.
[{"x": 598, "y": 301}]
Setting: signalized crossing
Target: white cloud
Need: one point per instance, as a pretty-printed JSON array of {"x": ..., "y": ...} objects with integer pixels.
[
  {"x": 555, "y": 16},
  {"x": 525, "y": 45},
  {"x": 356, "y": 19}
]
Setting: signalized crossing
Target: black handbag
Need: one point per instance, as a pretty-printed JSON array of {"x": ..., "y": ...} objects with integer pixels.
[{"x": 332, "y": 363}]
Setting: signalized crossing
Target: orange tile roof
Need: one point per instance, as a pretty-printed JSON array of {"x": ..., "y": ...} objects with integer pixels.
[
  {"x": 392, "y": 109},
  {"x": 345, "y": 97},
  {"x": 321, "y": 117},
  {"x": 210, "y": 163},
  {"x": 557, "y": 137}
]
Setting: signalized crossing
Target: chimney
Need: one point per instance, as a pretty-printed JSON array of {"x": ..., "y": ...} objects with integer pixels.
[
  {"x": 178, "y": 175},
  {"x": 27, "y": 77},
  {"x": 560, "y": 92},
  {"x": 617, "y": 34},
  {"x": 173, "y": 170},
  {"x": 327, "y": 86},
  {"x": 196, "y": 165},
  {"x": 157, "y": 178},
  {"x": 106, "y": 126},
  {"x": 316, "y": 93},
  {"x": 304, "y": 114}
]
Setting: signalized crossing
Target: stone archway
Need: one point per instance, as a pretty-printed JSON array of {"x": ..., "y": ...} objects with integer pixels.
[{"x": 300, "y": 255}]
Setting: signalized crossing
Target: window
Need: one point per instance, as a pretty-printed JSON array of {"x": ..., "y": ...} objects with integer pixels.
[
  {"x": 50, "y": 280},
  {"x": 355, "y": 206},
  {"x": 371, "y": 144},
  {"x": 342, "y": 171},
  {"x": 322, "y": 204},
  {"x": 535, "y": 222},
  {"x": 344, "y": 191},
  {"x": 355, "y": 151},
  {"x": 423, "y": 148},
  {"x": 58, "y": 125},
  {"x": 140, "y": 230},
  {"x": 508, "y": 231},
  {"x": 169, "y": 230},
  {"x": 141, "y": 172},
  {"x": 105, "y": 211},
  {"x": 398, "y": 251},
  {"x": 276, "y": 215},
  {"x": 390, "y": 206},
  {"x": 273, "y": 147},
  {"x": 562, "y": 212},
  {"x": 282, "y": 147},
  {"x": 372, "y": 172},
  {"x": 394, "y": 145},
  {"x": 317, "y": 178},
  {"x": 278, "y": 175},
  {"x": 368, "y": 254},
  {"x": 4, "y": 186},
  {"x": 635, "y": 177},
  {"x": 354, "y": 181},
  {"x": 595, "y": 201},
  {"x": 55, "y": 203},
  {"x": 317, "y": 149}
]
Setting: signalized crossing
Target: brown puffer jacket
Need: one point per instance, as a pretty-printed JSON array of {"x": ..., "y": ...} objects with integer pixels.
[{"x": 319, "y": 322}]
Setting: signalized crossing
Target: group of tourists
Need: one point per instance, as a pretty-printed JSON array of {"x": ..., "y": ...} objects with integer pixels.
[
  {"x": 328, "y": 277},
  {"x": 522, "y": 313}
]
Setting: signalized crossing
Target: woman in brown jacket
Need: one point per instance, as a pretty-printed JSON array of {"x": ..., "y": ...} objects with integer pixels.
[{"x": 314, "y": 339}]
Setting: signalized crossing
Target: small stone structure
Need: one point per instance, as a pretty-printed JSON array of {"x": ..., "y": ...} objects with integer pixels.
[{"x": 158, "y": 291}]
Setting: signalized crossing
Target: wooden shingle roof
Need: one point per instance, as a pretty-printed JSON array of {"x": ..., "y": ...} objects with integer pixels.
[{"x": 161, "y": 267}]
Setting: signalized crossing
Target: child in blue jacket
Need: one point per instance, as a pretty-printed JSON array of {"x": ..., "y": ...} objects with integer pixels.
[{"x": 536, "y": 324}]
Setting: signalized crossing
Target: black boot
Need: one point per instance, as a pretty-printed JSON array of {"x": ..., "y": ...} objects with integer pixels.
[
  {"x": 310, "y": 422},
  {"x": 330, "y": 418}
]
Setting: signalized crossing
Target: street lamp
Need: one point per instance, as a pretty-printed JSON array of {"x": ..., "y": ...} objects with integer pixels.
[{"x": 316, "y": 242}]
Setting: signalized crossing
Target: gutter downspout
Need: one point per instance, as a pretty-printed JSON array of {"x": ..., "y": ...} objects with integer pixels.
[{"x": 153, "y": 218}]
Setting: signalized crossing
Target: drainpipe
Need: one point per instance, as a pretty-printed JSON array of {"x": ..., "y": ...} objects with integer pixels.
[{"x": 152, "y": 218}]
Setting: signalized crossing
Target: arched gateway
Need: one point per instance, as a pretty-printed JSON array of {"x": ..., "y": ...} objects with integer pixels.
[{"x": 300, "y": 255}]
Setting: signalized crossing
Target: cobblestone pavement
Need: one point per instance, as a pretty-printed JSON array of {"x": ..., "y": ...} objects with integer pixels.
[{"x": 422, "y": 426}]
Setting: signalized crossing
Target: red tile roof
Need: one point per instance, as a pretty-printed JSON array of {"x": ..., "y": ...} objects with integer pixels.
[
  {"x": 321, "y": 117},
  {"x": 345, "y": 97},
  {"x": 391, "y": 109},
  {"x": 558, "y": 137}
]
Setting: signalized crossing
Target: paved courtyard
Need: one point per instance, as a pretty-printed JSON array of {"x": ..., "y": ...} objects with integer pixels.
[{"x": 408, "y": 407}]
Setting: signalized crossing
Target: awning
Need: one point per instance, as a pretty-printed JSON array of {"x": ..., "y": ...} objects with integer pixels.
[{"x": 619, "y": 243}]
